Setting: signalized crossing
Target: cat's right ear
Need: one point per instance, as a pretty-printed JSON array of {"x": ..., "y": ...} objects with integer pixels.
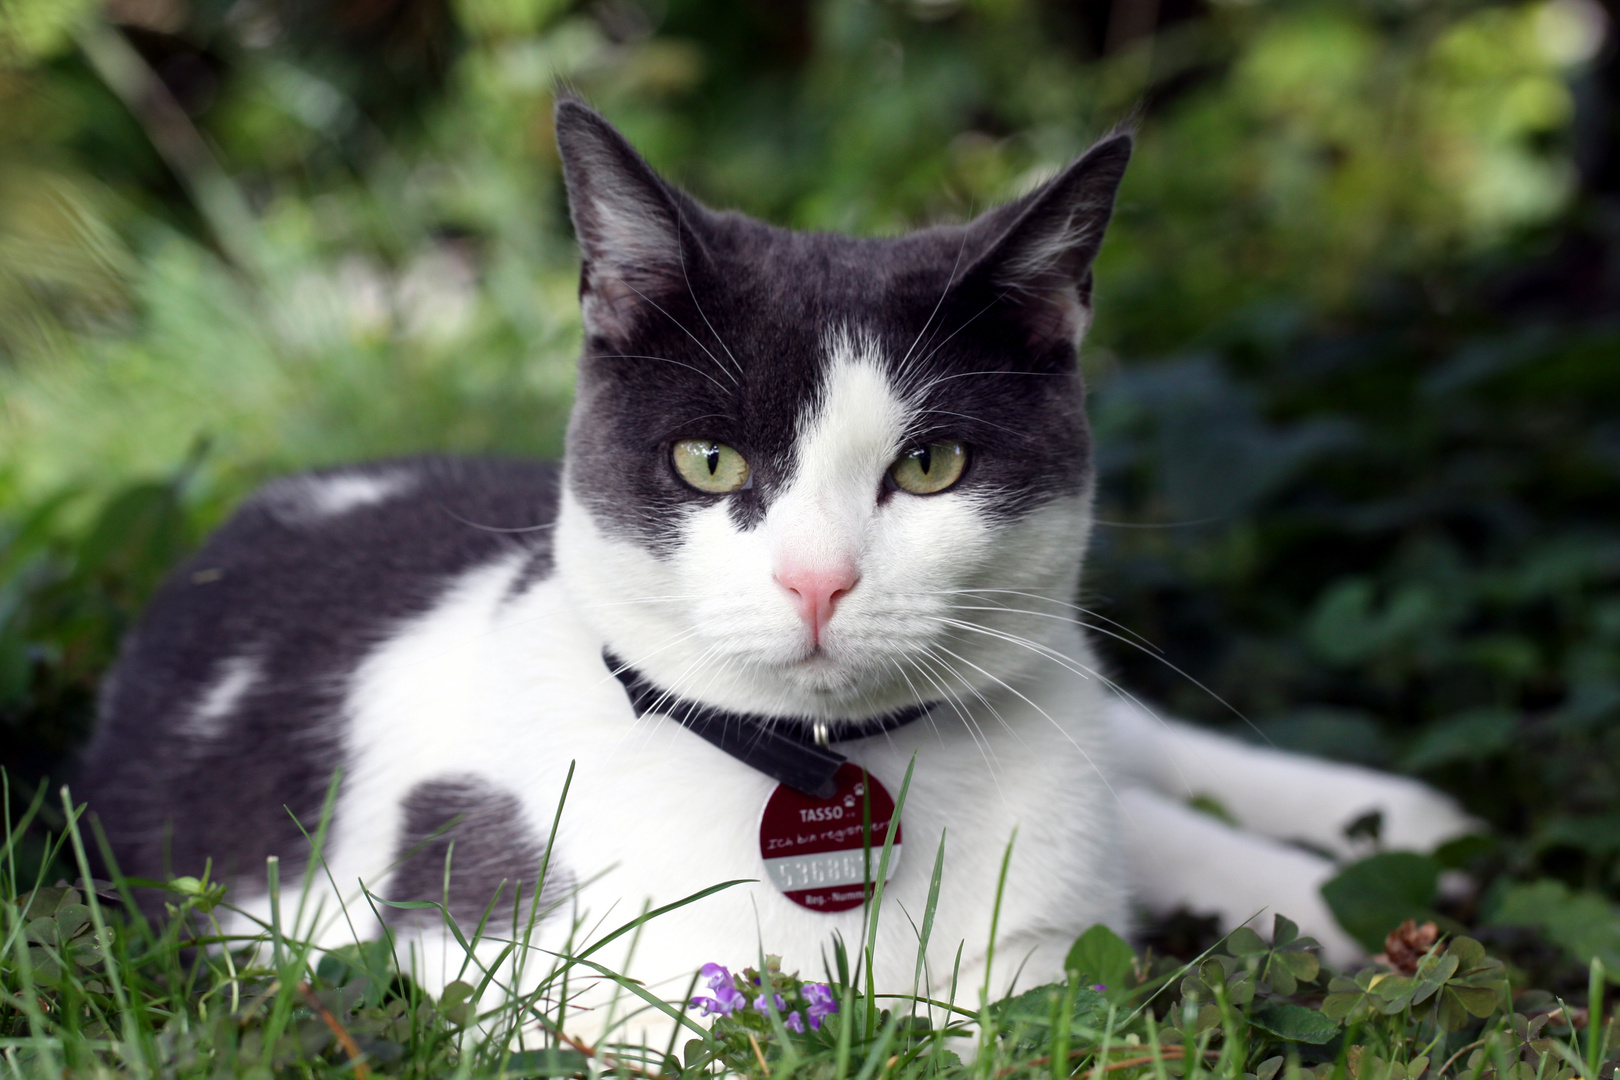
[
  {"x": 1039, "y": 261},
  {"x": 634, "y": 230}
]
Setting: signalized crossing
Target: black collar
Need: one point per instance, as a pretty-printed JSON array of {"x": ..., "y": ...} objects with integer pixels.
[{"x": 782, "y": 748}]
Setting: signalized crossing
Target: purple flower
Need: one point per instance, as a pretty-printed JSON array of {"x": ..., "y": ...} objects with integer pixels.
[
  {"x": 794, "y": 1022},
  {"x": 759, "y": 1002},
  {"x": 820, "y": 999},
  {"x": 726, "y": 1000},
  {"x": 819, "y": 994},
  {"x": 1099, "y": 987}
]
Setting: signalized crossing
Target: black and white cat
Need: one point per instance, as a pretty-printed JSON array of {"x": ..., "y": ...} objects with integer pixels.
[{"x": 823, "y": 496}]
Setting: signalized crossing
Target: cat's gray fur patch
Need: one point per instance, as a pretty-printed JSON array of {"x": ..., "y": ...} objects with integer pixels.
[
  {"x": 492, "y": 851},
  {"x": 308, "y": 599}
]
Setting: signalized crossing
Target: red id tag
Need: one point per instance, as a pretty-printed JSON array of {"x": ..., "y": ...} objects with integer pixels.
[{"x": 813, "y": 847}]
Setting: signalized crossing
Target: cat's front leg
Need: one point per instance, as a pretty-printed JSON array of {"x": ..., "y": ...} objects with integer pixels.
[
  {"x": 1179, "y": 857},
  {"x": 1283, "y": 796}
]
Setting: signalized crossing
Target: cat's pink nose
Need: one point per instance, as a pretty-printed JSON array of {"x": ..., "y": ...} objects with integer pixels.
[{"x": 816, "y": 590}]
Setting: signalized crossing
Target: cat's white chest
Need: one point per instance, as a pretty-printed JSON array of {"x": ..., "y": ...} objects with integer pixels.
[{"x": 513, "y": 695}]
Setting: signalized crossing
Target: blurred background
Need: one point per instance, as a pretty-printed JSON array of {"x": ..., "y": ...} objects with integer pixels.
[{"x": 1355, "y": 369}]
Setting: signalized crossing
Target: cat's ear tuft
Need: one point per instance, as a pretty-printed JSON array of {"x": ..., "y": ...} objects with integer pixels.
[
  {"x": 632, "y": 227},
  {"x": 1041, "y": 260}
]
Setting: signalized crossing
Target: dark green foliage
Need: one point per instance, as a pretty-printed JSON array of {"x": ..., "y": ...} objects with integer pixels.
[
  {"x": 1285, "y": 962},
  {"x": 1454, "y": 984},
  {"x": 68, "y": 592},
  {"x": 1372, "y": 897},
  {"x": 1583, "y": 922}
]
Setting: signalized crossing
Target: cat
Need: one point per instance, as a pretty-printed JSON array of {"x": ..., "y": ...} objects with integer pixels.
[{"x": 823, "y": 498}]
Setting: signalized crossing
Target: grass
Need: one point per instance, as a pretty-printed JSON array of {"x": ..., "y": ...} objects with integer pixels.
[{"x": 89, "y": 986}]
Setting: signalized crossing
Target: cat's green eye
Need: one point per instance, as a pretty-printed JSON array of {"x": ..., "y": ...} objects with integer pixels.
[
  {"x": 928, "y": 470},
  {"x": 710, "y": 466}
]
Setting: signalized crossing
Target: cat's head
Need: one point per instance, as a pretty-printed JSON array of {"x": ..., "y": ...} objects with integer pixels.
[{"x": 822, "y": 476}]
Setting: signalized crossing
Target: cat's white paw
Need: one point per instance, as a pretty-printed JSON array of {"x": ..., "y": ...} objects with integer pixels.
[
  {"x": 1179, "y": 857},
  {"x": 1285, "y": 796}
]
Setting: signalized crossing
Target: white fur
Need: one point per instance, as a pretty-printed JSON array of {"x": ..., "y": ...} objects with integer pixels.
[
  {"x": 235, "y": 678},
  {"x": 306, "y": 500},
  {"x": 1021, "y": 751},
  {"x": 1283, "y": 796}
]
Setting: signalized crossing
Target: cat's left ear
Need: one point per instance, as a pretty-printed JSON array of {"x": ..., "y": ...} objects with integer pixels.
[
  {"x": 1041, "y": 247},
  {"x": 634, "y": 230}
]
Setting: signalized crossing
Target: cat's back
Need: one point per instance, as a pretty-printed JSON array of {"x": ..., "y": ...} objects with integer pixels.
[{"x": 224, "y": 710}]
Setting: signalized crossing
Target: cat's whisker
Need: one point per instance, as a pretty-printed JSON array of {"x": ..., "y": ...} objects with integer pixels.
[
  {"x": 1021, "y": 436},
  {"x": 494, "y": 528},
  {"x": 1145, "y": 643},
  {"x": 980, "y": 740},
  {"x": 969, "y": 322},
  {"x": 685, "y": 331},
  {"x": 968, "y": 684},
  {"x": 971, "y": 374},
  {"x": 1044, "y": 650},
  {"x": 1071, "y": 620},
  {"x": 654, "y": 710},
  {"x": 948, "y": 697},
  {"x": 950, "y": 280},
  {"x": 1147, "y": 649},
  {"x": 1095, "y": 767},
  {"x": 681, "y": 249},
  {"x": 665, "y": 359},
  {"x": 917, "y": 697},
  {"x": 671, "y": 692},
  {"x": 613, "y": 673},
  {"x": 971, "y": 688},
  {"x": 687, "y": 597},
  {"x": 945, "y": 671},
  {"x": 1067, "y": 663}
]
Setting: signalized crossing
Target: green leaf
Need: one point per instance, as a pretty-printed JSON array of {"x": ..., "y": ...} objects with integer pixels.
[
  {"x": 1295, "y": 1023},
  {"x": 1470, "y": 954},
  {"x": 694, "y": 1053},
  {"x": 1478, "y": 1000},
  {"x": 1395, "y": 988},
  {"x": 1244, "y": 942},
  {"x": 1302, "y": 965},
  {"x": 1449, "y": 1012},
  {"x": 1280, "y": 979},
  {"x": 1432, "y": 972},
  {"x": 457, "y": 1002},
  {"x": 1372, "y": 897},
  {"x": 1102, "y": 956},
  {"x": 72, "y": 919},
  {"x": 1585, "y": 924},
  {"x": 1469, "y": 736},
  {"x": 1027, "y": 1018}
]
